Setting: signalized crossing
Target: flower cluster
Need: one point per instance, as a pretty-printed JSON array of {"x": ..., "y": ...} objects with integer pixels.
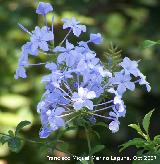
[{"x": 77, "y": 78}]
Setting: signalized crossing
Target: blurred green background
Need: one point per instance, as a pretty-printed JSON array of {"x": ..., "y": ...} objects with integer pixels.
[{"x": 126, "y": 23}]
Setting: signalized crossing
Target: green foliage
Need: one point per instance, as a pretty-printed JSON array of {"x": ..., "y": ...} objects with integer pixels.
[
  {"x": 14, "y": 142},
  {"x": 148, "y": 43},
  {"x": 113, "y": 57},
  {"x": 137, "y": 128},
  {"x": 21, "y": 125},
  {"x": 138, "y": 142},
  {"x": 146, "y": 121},
  {"x": 148, "y": 146},
  {"x": 141, "y": 21},
  {"x": 96, "y": 149}
]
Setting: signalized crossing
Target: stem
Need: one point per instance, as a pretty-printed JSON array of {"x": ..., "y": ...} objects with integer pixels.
[
  {"x": 24, "y": 29},
  {"x": 78, "y": 79},
  {"x": 53, "y": 29},
  {"x": 96, "y": 115},
  {"x": 67, "y": 114},
  {"x": 104, "y": 108},
  {"x": 37, "y": 142},
  {"x": 24, "y": 139},
  {"x": 53, "y": 25},
  {"x": 88, "y": 142},
  {"x": 64, "y": 92},
  {"x": 136, "y": 81},
  {"x": 67, "y": 86},
  {"x": 45, "y": 19},
  {"x": 104, "y": 103},
  {"x": 37, "y": 64},
  {"x": 72, "y": 119},
  {"x": 65, "y": 37}
]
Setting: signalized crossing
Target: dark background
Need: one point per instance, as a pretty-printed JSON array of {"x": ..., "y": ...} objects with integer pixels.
[{"x": 125, "y": 23}]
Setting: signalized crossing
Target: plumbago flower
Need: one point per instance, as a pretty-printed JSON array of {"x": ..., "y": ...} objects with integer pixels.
[
  {"x": 74, "y": 26},
  {"x": 44, "y": 8},
  {"x": 82, "y": 98},
  {"x": 77, "y": 78}
]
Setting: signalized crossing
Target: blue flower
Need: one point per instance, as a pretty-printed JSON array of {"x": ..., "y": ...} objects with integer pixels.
[
  {"x": 51, "y": 66},
  {"x": 68, "y": 54},
  {"x": 96, "y": 38},
  {"x": 44, "y": 132},
  {"x": 20, "y": 72},
  {"x": 74, "y": 25},
  {"x": 40, "y": 37},
  {"x": 55, "y": 121},
  {"x": 143, "y": 81},
  {"x": 77, "y": 77},
  {"x": 114, "y": 116},
  {"x": 130, "y": 67},
  {"x": 117, "y": 100},
  {"x": 114, "y": 126},
  {"x": 26, "y": 50},
  {"x": 82, "y": 99},
  {"x": 88, "y": 61},
  {"x": 103, "y": 72},
  {"x": 23, "y": 60},
  {"x": 68, "y": 48},
  {"x": 123, "y": 82},
  {"x": 44, "y": 8},
  {"x": 83, "y": 47}
]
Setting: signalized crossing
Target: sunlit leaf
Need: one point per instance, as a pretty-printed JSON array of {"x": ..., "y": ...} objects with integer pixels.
[
  {"x": 21, "y": 125},
  {"x": 11, "y": 133},
  {"x": 138, "y": 142},
  {"x": 137, "y": 128},
  {"x": 148, "y": 43},
  {"x": 146, "y": 121}
]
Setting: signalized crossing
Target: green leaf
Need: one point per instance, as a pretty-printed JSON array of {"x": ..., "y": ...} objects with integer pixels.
[
  {"x": 4, "y": 139},
  {"x": 15, "y": 144},
  {"x": 138, "y": 142},
  {"x": 148, "y": 43},
  {"x": 21, "y": 125},
  {"x": 96, "y": 149},
  {"x": 146, "y": 121},
  {"x": 137, "y": 128},
  {"x": 157, "y": 139},
  {"x": 11, "y": 133}
]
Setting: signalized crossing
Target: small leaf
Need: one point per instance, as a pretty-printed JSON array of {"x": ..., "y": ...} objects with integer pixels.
[
  {"x": 4, "y": 139},
  {"x": 96, "y": 149},
  {"x": 148, "y": 43},
  {"x": 11, "y": 133},
  {"x": 137, "y": 128},
  {"x": 138, "y": 142},
  {"x": 15, "y": 144},
  {"x": 146, "y": 121},
  {"x": 157, "y": 139},
  {"x": 21, "y": 125}
]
